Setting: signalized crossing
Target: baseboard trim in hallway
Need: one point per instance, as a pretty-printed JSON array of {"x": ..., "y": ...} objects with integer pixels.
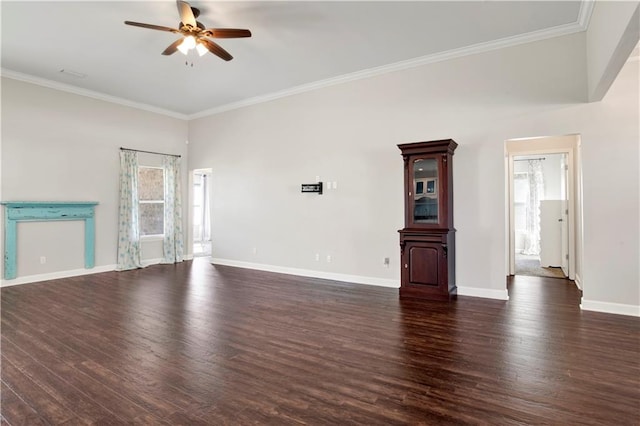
[{"x": 610, "y": 308}]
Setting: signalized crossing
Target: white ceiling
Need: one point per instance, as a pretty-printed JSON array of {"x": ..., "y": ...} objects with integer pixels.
[{"x": 295, "y": 45}]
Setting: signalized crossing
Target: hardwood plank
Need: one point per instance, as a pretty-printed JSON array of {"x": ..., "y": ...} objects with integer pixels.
[
  {"x": 16, "y": 411},
  {"x": 38, "y": 399},
  {"x": 200, "y": 344},
  {"x": 101, "y": 396},
  {"x": 85, "y": 410}
]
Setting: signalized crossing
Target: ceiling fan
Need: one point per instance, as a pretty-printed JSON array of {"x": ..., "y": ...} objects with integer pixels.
[{"x": 194, "y": 34}]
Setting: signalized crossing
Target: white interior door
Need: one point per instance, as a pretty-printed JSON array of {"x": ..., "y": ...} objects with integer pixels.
[{"x": 551, "y": 233}]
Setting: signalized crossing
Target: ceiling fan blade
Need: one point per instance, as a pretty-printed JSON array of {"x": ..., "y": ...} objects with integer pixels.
[
  {"x": 186, "y": 14},
  {"x": 227, "y": 33},
  {"x": 152, "y": 27},
  {"x": 216, "y": 49},
  {"x": 173, "y": 47}
]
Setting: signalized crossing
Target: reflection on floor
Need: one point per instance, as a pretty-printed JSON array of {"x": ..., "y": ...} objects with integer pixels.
[
  {"x": 202, "y": 248},
  {"x": 530, "y": 265}
]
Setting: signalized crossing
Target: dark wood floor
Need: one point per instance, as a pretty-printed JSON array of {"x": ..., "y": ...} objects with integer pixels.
[{"x": 197, "y": 344}]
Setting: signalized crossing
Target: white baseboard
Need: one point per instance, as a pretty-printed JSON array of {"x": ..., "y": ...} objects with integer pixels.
[
  {"x": 149, "y": 262},
  {"x": 56, "y": 275},
  {"x": 357, "y": 279},
  {"x": 578, "y": 282},
  {"x": 486, "y": 293},
  {"x": 610, "y": 308},
  {"x": 27, "y": 279}
]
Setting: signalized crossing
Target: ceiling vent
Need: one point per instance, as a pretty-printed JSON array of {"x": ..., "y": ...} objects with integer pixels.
[{"x": 72, "y": 73}]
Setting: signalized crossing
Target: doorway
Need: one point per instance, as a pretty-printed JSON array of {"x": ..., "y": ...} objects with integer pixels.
[
  {"x": 541, "y": 238},
  {"x": 201, "y": 212},
  {"x": 544, "y": 206}
]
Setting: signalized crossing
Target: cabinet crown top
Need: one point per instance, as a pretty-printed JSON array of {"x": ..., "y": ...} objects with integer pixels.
[{"x": 441, "y": 145}]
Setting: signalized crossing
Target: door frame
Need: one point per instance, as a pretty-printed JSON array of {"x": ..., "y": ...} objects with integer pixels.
[
  {"x": 190, "y": 236},
  {"x": 564, "y": 227},
  {"x": 534, "y": 146}
]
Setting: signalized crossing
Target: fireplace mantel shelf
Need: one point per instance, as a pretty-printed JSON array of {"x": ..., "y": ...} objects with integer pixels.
[{"x": 39, "y": 211}]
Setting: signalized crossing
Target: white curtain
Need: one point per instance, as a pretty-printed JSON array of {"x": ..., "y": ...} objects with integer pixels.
[
  {"x": 173, "y": 243},
  {"x": 128, "y": 229},
  {"x": 536, "y": 192}
]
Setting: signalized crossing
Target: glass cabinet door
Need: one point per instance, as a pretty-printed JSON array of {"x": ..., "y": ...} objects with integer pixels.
[{"x": 425, "y": 191}]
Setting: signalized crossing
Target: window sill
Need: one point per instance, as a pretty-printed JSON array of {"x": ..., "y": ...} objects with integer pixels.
[{"x": 146, "y": 238}]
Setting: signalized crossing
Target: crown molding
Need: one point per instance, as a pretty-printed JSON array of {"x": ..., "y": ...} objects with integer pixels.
[
  {"x": 581, "y": 24},
  {"x": 584, "y": 14},
  {"x": 561, "y": 30},
  {"x": 4, "y": 72}
]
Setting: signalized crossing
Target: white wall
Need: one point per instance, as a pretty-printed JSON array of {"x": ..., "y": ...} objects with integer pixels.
[
  {"x": 348, "y": 133},
  {"x": 64, "y": 147},
  {"x": 611, "y": 190},
  {"x": 614, "y": 30},
  {"x": 59, "y": 146}
]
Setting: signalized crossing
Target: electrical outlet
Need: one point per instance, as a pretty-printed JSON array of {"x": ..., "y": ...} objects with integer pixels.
[
  {"x": 254, "y": 250},
  {"x": 317, "y": 257},
  {"x": 43, "y": 260},
  {"x": 328, "y": 258},
  {"x": 385, "y": 262}
]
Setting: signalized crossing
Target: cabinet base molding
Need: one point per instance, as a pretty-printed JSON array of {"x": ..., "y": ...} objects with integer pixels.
[{"x": 419, "y": 293}]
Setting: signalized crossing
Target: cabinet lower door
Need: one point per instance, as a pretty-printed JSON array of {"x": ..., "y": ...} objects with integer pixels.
[{"x": 425, "y": 269}]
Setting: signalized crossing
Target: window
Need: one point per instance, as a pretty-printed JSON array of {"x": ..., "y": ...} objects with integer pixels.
[{"x": 151, "y": 196}]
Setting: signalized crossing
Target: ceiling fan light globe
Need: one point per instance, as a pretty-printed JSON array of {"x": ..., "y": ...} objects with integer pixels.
[
  {"x": 201, "y": 49},
  {"x": 189, "y": 42},
  {"x": 183, "y": 49}
]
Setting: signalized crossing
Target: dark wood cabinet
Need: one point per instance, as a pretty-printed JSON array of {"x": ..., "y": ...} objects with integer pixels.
[{"x": 427, "y": 241}]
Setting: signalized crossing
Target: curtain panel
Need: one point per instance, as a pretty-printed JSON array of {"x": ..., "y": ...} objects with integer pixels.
[
  {"x": 173, "y": 241},
  {"x": 128, "y": 228},
  {"x": 536, "y": 193}
]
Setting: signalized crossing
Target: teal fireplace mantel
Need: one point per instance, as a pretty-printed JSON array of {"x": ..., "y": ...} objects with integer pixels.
[{"x": 40, "y": 211}]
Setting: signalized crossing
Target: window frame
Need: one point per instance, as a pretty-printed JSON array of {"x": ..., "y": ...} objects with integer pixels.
[{"x": 152, "y": 237}]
